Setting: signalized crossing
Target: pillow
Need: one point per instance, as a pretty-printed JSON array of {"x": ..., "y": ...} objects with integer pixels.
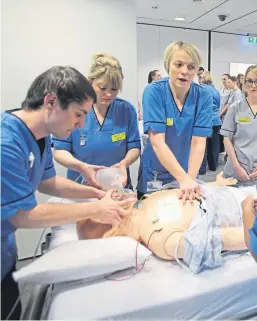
[
  {"x": 63, "y": 234},
  {"x": 83, "y": 259},
  {"x": 68, "y": 232}
]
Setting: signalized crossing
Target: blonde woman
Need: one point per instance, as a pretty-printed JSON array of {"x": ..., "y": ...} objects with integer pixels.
[
  {"x": 240, "y": 134},
  {"x": 110, "y": 134},
  {"x": 177, "y": 118}
]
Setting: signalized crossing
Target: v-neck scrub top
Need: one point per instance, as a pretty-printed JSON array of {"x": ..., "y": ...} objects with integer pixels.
[
  {"x": 24, "y": 166},
  {"x": 161, "y": 115},
  {"x": 105, "y": 144},
  {"x": 240, "y": 125}
]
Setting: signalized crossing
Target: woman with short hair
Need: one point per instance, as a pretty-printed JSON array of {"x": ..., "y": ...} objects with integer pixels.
[{"x": 177, "y": 118}]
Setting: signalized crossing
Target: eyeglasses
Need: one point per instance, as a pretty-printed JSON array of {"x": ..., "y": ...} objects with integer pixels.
[{"x": 249, "y": 82}]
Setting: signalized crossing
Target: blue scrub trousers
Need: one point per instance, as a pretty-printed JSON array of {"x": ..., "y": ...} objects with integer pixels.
[{"x": 9, "y": 295}]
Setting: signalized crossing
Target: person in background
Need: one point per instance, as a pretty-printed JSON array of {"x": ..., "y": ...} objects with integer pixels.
[
  {"x": 249, "y": 207},
  {"x": 177, "y": 118},
  {"x": 56, "y": 103},
  {"x": 240, "y": 134},
  {"x": 200, "y": 74},
  {"x": 235, "y": 95},
  {"x": 225, "y": 93},
  {"x": 240, "y": 81},
  {"x": 109, "y": 136},
  {"x": 213, "y": 144},
  {"x": 154, "y": 75}
]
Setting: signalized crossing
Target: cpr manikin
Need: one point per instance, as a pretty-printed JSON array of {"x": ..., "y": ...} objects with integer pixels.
[{"x": 173, "y": 230}]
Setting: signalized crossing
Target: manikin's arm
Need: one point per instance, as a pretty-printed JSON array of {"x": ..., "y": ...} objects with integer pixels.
[
  {"x": 221, "y": 181},
  {"x": 233, "y": 239},
  {"x": 169, "y": 242}
]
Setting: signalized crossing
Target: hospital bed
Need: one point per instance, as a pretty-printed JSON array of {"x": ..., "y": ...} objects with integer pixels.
[{"x": 162, "y": 290}]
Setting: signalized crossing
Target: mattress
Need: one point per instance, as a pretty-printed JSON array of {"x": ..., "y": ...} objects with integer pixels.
[{"x": 162, "y": 290}]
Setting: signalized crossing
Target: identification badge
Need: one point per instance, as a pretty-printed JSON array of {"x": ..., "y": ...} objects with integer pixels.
[
  {"x": 154, "y": 186},
  {"x": 118, "y": 137},
  {"x": 244, "y": 119},
  {"x": 82, "y": 140},
  {"x": 169, "y": 121}
]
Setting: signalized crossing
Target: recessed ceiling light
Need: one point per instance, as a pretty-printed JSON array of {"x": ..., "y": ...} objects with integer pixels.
[{"x": 180, "y": 19}]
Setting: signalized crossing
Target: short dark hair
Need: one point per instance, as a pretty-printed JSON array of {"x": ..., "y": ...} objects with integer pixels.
[
  {"x": 233, "y": 78},
  {"x": 67, "y": 83},
  {"x": 151, "y": 75},
  {"x": 201, "y": 69},
  {"x": 228, "y": 75}
]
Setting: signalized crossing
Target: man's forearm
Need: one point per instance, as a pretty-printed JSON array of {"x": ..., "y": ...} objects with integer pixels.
[
  {"x": 48, "y": 215},
  {"x": 196, "y": 156},
  {"x": 62, "y": 187}
]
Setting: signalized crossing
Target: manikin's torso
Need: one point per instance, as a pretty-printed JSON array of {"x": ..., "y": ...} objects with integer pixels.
[
  {"x": 159, "y": 209},
  {"x": 162, "y": 219}
]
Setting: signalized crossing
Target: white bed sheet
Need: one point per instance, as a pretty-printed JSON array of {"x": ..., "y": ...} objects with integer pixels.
[{"x": 162, "y": 290}]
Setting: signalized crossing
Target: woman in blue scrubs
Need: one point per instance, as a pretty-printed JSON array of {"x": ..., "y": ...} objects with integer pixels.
[
  {"x": 177, "y": 118},
  {"x": 110, "y": 134}
]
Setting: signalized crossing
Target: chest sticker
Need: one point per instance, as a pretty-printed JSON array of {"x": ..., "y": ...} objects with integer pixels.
[
  {"x": 169, "y": 121},
  {"x": 118, "y": 137}
]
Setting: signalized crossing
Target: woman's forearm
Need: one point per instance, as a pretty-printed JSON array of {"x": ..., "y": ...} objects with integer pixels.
[
  {"x": 229, "y": 148},
  {"x": 66, "y": 159},
  {"x": 131, "y": 156},
  {"x": 197, "y": 151},
  {"x": 168, "y": 160}
]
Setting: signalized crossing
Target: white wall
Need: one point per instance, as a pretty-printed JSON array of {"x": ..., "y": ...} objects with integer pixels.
[
  {"x": 152, "y": 41},
  {"x": 39, "y": 34},
  {"x": 226, "y": 48},
  {"x": 230, "y": 48}
]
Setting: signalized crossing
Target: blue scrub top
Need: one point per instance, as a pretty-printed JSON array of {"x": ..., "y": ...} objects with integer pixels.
[
  {"x": 23, "y": 168},
  {"x": 162, "y": 115},
  {"x": 253, "y": 237},
  {"x": 103, "y": 145},
  {"x": 216, "y": 121}
]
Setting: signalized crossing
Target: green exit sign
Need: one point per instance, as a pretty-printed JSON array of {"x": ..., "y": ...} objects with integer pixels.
[{"x": 252, "y": 39}]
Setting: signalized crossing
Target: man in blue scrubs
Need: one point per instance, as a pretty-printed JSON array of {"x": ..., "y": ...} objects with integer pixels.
[
  {"x": 249, "y": 207},
  {"x": 56, "y": 103}
]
